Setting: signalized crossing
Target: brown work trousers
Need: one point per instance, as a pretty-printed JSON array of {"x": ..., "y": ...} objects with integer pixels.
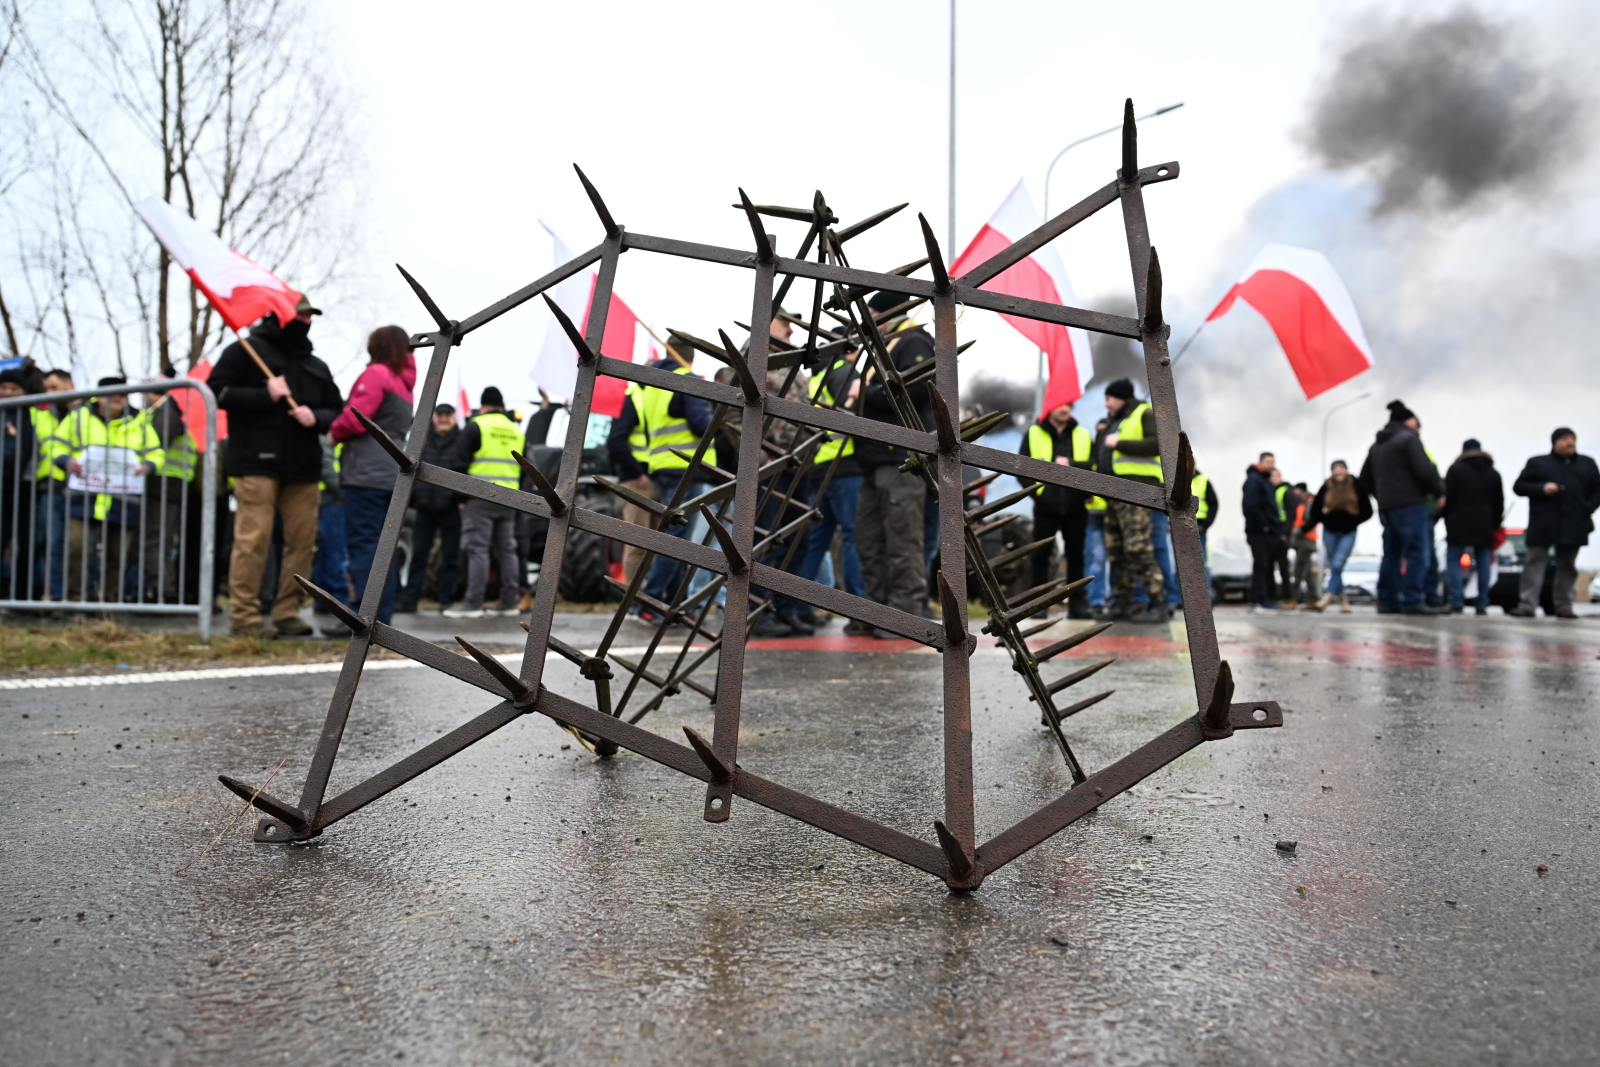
[
  {"x": 632, "y": 556},
  {"x": 259, "y": 498}
]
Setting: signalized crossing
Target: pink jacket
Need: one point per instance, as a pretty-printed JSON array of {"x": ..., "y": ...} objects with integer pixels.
[{"x": 368, "y": 393}]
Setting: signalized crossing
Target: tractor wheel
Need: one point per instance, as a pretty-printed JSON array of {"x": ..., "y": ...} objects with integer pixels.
[{"x": 588, "y": 558}]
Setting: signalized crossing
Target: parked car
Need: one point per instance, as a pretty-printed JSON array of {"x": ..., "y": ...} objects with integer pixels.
[{"x": 1361, "y": 579}]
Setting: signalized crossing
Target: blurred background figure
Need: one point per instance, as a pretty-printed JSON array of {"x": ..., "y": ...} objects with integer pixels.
[
  {"x": 1339, "y": 507},
  {"x": 1563, "y": 490},
  {"x": 1475, "y": 503}
]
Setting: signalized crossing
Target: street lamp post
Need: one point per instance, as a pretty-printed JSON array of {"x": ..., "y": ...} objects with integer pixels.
[
  {"x": 1038, "y": 385},
  {"x": 1329, "y": 416}
]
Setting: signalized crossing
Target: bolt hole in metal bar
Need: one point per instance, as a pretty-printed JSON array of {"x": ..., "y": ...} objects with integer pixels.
[{"x": 734, "y": 549}]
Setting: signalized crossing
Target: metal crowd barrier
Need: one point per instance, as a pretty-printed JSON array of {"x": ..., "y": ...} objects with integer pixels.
[{"x": 78, "y": 549}]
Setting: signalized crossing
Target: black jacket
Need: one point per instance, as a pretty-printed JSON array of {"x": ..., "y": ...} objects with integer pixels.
[
  {"x": 1474, "y": 500},
  {"x": 1260, "y": 506},
  {"x": 1563, "y": 519},
  {"x": 1340, "y": 521},
  {"x": 1398, "y": 471},
  {"x": 696, "y": 412},
  {"x": 442, "y": 450},
  {"x": 910, "y": 347},
  {"x": 1057, "y": 498},
  {"x": 263, "y": 438}
]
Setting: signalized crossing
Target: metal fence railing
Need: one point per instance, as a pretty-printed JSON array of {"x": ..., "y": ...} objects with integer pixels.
[{"x": 107, "y": 502}]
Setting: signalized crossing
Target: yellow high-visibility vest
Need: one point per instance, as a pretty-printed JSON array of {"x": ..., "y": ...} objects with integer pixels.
[
  {"x": 1198, "y": 487},
  {"x": 837, "y": 444},
  {"x": 82, "y": 429},
  {"x": 665, "y": 433},
  {"x": 1132, "y": 429},
  {"x": 498, "y": 438},
  {"x": 1283, "y": 516},
  {"x": 638, "y": 440},
  {"x": 179, "y": 459},
  {"x": 1041, "y": 446},
  {"x": 46, "y": 426}
]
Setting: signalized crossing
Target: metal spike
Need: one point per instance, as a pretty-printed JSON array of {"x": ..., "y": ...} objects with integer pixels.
[
  {"x": 1130, "y": 144},
  {"x": 719, "y": 770},
  {"x": 946, "y": 433},
  {"x": 1051, "y": 651},
  {"x": 1019, "y": 552},
  {"x": 763, "y": 246},
  {"x": 631, "y": 496},
  {"x": 736, "y": 563},
  {"x": 520, "y": 693},
  {"x": 955, "y": 634},
  {"x": 1046, "y": 601},
  {"x": 445, "y": 325},
  {"x": 1077, "y": 676},
  {"x": 385, "y": 442},
  {"x": 1081, "y": 705},
  {"x": 856, "y": 229},
  {"x": 941, "y": 277},
  {"x": 747, "y": 381},
  {"x": 1183, "y": 478},
  {"x": 281, "y": 810},
  {"x": 1152, "y": 295},
  {"x": 1217, "y": 722},
  {"x": 586, "y": 354},
  {"x": 337, "y": 607},
  {"x": 540, "y": 483},
  {"x": 955, "y": 853},
  {"x": 612, "y": 229},
  {"x": 978, "y": 483}
]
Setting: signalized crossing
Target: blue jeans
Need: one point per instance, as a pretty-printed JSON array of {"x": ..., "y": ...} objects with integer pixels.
[
  {"x": 1338, "y": 546},
  {"x": 425, "y": 525},
  {"x": 50, "y": 538},
  {"x": 1094, "y": 558},
  {"x": 330, "y": 570},
  {"x": 1161, "y": 539},
  {"x": 666, "y": 572},
  {"x": 838, "y": 508},
  {"x": 1482, "y": 558},
  {"x": 1405, "y": 539},
  {"x": 364, "y": 512}
]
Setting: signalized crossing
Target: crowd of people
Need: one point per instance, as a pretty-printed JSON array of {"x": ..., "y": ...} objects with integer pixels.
[{"x": 312, "y": 489}]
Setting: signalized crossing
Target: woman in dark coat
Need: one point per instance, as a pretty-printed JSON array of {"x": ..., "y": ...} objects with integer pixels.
[
  {"x": 1475, "y": 502},
  {"x": 1339, "y": 507}
]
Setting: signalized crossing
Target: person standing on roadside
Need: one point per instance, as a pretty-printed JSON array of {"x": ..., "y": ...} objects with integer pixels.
[
  {"x": 17, "y": 464},
  {"x": 488, "y": 528},
  {"x": 438, "y": 513},
  {"x": 1284, "y": 511},
  {"x": 274, "y": 456},
  {"x": 1563, "y": 490},
  {"x": 1339, "y": 507},
  {"x": 1128, "y": 449},
  {"x": 1400, "y": 475},
  {"x": 1303, "y": 539},
  {"x": 1477, "y": 501},
  {"x": 1057, "y": 438},
  {"x": 50, "y": 517},
  {"x": 1205, "y": 515},
  {"x": 367, "y": 472},
  {"x": 1261, "y": 529}
]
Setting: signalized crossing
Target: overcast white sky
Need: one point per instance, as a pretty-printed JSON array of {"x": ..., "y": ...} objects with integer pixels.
[{"x": 477, "y": 111}]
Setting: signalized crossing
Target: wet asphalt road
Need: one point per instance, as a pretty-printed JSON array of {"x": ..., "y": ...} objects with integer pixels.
[{"x": 524, "y": 903}]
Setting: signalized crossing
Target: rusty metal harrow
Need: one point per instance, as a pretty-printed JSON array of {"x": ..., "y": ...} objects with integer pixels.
[{"x": 765, "y": 485}]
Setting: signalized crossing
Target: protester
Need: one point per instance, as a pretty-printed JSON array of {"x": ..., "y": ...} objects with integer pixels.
[
  {"x": 784, "y": 506},
  {"x": 1057, "y": 510},
  {"x": 275, "y": 458},
  {"x": 1306, "y": 589},
  {"x": 1400, "y": 475},
  {"x": 1261, "y": 529},
  {"x": 331, "y": 571},
  {"x": 1205, "y": 515},
  {"x": 1094, "y": 547},
  {"x": 1283, "y": 508},
  {"x": 437, "y": 514},
  {"x": 1563, "y": 490},
  {"x": 634, "y": 472},
  {"x": 890, "y": 517},
  {"x": 488, "y": 528},
  {"x": 1476, "y": 505},
  {"x": 164, "y": 513},
  {"x": 367, "y": 471},
  {"x": 17, "y": 464},
  {"x": 1339, "y": 507},
  {"x": 50, "y": 522},
  {"x": 840, "y": 386},
  {"x": 673, "y": 424},
  {"x": 1128, "y": 449}
]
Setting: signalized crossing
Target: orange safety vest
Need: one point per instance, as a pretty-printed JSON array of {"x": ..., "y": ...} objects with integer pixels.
[{"x": 1299, "y": 518}]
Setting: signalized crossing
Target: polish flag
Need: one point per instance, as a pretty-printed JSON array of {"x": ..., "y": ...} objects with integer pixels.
[
  {"x": 241, "y": 290},
  {"x": 1039, "y": 277},
  {"x": 556, "y": 369},
  {"x": 194, "y": 409},
  {"x": 1303, "y": 299}
]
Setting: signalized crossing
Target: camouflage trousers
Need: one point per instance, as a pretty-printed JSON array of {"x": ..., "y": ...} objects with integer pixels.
[{"x": 1131, "y": 553}]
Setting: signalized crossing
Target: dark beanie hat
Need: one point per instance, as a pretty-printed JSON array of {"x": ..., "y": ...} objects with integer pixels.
[
  {"x": 1122, "y": 389},
  {"x": 14, "y": 376},
  {"x": 1398, "y": 412},
  {"x": 491, "y": 395},
  {"x": 112, "y": 380},
  {"x": 1471, "y": 444},
  {"x": 1562, "y": 431},
  {"x": 883, "y": 300}
]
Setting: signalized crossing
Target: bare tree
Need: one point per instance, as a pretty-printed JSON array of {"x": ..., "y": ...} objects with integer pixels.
[{"x": 224, "y": 108}]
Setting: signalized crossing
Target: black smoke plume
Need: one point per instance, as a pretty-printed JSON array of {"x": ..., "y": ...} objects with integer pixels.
[{"x": 1444, "y": 110}]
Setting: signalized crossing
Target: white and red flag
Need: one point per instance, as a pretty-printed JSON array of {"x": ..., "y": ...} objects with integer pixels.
[
  {"x": 556, "y": 369},
  {"x": 241, "y": 290},
  {"x": 1039, "y": 277},
  {"x": 1305, "y": 302}
]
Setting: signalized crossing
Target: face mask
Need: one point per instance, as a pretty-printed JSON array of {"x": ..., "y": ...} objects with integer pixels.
[{"x": 297, "y": 331}]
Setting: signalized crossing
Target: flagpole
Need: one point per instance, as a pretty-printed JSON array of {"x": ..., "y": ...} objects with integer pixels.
[
  {"x": 293, "y": 404},
  {"x": 1185, "y": 346}
]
